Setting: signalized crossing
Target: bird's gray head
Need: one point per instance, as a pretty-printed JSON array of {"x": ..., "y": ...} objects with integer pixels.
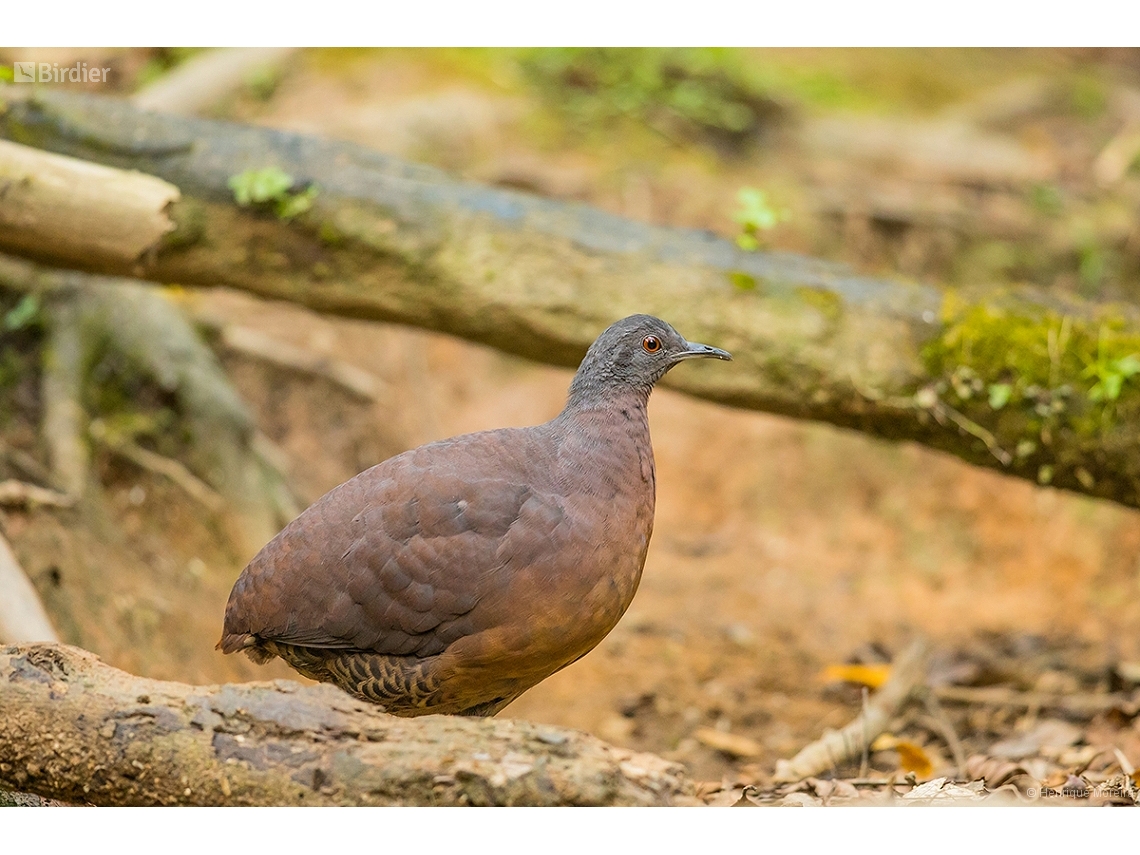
[{"x": 631, "y": 356}]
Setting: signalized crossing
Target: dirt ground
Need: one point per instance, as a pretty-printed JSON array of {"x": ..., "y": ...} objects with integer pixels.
[{"x": 779, "y": 548}]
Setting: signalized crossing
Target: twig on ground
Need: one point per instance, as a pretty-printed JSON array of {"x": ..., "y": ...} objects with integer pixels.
[
  {"x": 26, "y": 463},
  {"x": 204, "y": 80},
  {"x": 22, "y": 615},
  {"x": 15, "y": 493},
  {"x": 839, "y": 746},
  {"x": 258, "y": 345},
  {"x": 170, "y": 469},
  {"x": 940, "y": 724},
  {"x": 999, "y": 696}
]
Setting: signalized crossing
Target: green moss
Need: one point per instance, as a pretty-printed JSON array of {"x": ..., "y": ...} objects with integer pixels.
[
  {"x": 329, "y": 234},
  {"x": 1029, "y": 376},
  {"x": 828, "y": 303},
  {"x": 743, "y": 281}
]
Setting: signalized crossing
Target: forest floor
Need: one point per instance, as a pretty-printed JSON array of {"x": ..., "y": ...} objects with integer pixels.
[{"x": 781, "y": 548}]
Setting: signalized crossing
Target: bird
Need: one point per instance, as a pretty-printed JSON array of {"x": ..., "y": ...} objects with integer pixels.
[{"x": 453, "y": 577}]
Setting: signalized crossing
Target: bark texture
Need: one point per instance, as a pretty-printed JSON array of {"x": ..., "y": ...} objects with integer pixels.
[
  {"x": 75, "y": 729},
  {"x": 1038, "y": 386}
]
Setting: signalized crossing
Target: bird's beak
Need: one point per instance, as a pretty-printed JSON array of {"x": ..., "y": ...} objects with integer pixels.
[{"x": 702, "y": 351}]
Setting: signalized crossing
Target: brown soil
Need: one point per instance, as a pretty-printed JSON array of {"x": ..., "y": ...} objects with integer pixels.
[{"x": 780, "y": 547}]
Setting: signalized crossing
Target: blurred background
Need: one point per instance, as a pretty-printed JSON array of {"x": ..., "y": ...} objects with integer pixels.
[{"x": 780, "y": 547}]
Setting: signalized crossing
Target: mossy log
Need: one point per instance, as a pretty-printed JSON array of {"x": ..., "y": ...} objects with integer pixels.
[
  {"x": 1035, "y": 385},
  {"x": 77, "y": 730}
]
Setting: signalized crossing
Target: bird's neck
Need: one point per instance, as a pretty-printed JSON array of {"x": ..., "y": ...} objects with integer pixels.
[
  {"x": 607, "y": 451},
  {"x": 612, "y": 406}
]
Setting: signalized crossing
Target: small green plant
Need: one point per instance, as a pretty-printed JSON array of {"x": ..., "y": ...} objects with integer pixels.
[
  {"x": 755, "y": 217},
  {"x": 1109, "y": 373},
  {"x": 1046, "y": 199},
  {"x": 160, "y": 62},
  {"x": 262, "y": 82},
  {"x": 25, "y": 313},
  {"x": 999, "y": 395},
  {"x": 274, "y": 188}
]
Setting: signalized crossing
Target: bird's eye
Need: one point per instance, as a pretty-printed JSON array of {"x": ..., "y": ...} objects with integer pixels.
[{"x": 651, "y": 343}]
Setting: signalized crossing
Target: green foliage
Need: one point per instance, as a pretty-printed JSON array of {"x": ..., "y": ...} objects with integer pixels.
[
  {"x": 126, "y": 404},
  {"x": 262, "y": 82},
  {"x": 743, "y": 281},
  {"x": 755, "y": 217},
  {"x": 25, "y": 314},
  {"x": 1094, "y": 264},
  {"x": 1087, "y": 96},
  {"x": 21, "y": 328},
  {"x": 707, "y": 93},
  {"x": 273, "y": 188},
  {"x": 6, "y": 73},
  {"x": 1041, "y": 373},
  {"x": 999, "y": 395},
  {"x": 1109, "y": 371},
  {"x": 1046, "y": 199},
  {"x": 160, "y": 62}
]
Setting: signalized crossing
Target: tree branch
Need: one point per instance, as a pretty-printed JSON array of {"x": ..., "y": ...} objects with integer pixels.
[
  {"x": 1020, "y": 381},
  {"x": 75, "y": 729},
  {"x": 77, "y": 212}
]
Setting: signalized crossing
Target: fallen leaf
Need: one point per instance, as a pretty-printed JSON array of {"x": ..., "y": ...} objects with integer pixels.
[
  {"x": 940, "y": 789},
  {"x": 996, "y": 773},
  {"x": 729, "y": 743},
  {"x": 800, "y": 800},
  {"x": 1051, "y": 733},
  {"x": 912, "y": 757},
  {"x": 871, "y": 676}
]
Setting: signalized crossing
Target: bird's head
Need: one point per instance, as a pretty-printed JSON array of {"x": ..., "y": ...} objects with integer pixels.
[{"x": 632, "y": 355}]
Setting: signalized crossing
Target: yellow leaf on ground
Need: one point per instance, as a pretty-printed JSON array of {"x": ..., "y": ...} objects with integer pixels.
[
  {"x": 913, "y": 758},
  {"x": 871, "y": 676}
]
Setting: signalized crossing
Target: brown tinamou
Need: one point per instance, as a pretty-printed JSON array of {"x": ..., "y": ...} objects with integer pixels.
[{"x": 455, "y": 576}]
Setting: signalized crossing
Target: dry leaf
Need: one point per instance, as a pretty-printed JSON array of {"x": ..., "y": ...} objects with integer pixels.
[
  {"x": 997, "y": 773},
  {"x": 871, "y": 676},
  {"x": 729, "y": 743},
  {"x": 912, "y": 757},
  {"x": 1051, "y": 733},
  {"x": 942, "y": 789}
]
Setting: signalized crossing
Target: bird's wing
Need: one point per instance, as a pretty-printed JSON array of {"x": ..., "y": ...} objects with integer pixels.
[{"x": 396, "y": 560}]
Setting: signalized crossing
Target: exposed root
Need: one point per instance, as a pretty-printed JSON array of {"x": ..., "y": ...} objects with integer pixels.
[
  {"x": 256, "y": 344},
  {"x": 22, "y": 615},
  {"x": 20, "y": 494},
  {"x": 168, "y": 468},
  {"x": 91, "y": 316},
  {"x": 839, "y": 746}
]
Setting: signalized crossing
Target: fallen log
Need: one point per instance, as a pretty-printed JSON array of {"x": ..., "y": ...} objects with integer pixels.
[
  {"x": 77, "y": 730},
  {"x": 1040, "y": 386}
]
